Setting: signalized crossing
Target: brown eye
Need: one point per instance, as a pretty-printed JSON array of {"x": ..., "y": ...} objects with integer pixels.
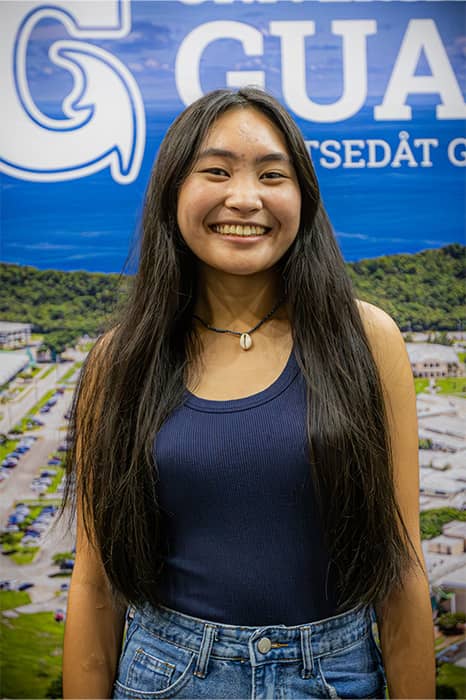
[
  {"x": 216, "y": 171},
  {"x": 273, "y": 175}
]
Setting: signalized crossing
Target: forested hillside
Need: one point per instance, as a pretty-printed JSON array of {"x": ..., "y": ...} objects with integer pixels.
[
  {"x": 426, "y": 290},
  {"x": 421, "y": 291}
]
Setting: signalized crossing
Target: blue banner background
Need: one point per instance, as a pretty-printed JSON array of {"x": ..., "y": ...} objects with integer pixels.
[{"x": 88, "y": 222}]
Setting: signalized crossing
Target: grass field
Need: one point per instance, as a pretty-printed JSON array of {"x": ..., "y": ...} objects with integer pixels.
[
  {"x": 48, "y": 371},
  {"x": 6, "y": 448},
  {"x": 455, "y": 677},
  {"x": 13, "y": 599},
  {"x": 56, "y": 479},
  {"x": 30, "y": 655},
  {"x": 421, "y": 384},
  {"x": 71, "y": 371},
  {"x": 453, "y": 386}
]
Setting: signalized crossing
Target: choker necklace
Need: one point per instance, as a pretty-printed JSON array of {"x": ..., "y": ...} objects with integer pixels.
[{"x": 245, "y": 338}]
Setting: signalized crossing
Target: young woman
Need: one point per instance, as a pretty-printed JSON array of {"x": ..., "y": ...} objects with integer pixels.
[{"x": 244, "y": 459}]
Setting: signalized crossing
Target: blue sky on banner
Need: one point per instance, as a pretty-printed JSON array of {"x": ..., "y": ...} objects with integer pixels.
[{"x": 377, "y": 89}]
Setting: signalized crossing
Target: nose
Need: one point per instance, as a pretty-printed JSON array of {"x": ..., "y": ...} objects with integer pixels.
[{"x": 243, "y": 195}]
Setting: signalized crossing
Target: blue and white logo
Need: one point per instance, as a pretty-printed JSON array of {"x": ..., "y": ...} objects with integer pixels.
[{"x": 104, "y": 124}]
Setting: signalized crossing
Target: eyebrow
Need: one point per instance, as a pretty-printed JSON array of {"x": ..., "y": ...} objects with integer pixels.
[{"x": 223, "y": 153}]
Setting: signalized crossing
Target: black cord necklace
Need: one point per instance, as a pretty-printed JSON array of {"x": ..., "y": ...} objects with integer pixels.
[{"x": 245, "y": 338}]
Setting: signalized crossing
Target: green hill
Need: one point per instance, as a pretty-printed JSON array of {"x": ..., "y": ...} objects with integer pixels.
[
  {"x": 426, "y": 291},
  {"x": 423, "y": 291}
]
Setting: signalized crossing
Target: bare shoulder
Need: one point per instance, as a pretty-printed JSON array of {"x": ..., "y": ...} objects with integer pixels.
[{"x": 385, "y": 338}]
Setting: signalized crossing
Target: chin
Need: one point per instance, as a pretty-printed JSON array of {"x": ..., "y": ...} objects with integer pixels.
[{"x": 240, "y": 270}]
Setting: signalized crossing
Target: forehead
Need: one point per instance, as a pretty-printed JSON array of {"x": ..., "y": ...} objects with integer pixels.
[{"x": 245, "y": 129}]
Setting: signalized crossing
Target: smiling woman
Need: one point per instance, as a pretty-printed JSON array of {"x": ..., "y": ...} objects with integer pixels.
[
  {"x": 239, "y": 207},
  {"x": 247, "y": 513}
]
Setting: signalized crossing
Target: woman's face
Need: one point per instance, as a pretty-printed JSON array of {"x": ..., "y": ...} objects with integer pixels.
[{"x": 239, "y": 208}]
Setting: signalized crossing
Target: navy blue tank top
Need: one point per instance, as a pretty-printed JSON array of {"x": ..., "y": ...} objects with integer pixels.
[{"x": 244, "y": 542}]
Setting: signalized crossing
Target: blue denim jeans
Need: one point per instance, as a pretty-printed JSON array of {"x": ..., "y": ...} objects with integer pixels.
[{"x": 167, "y": 654}]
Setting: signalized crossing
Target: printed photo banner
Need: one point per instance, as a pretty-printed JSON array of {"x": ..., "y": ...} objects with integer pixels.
[{"x": 88, "y": 90}]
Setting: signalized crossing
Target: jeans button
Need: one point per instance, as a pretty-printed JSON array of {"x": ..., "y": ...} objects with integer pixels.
[{"x": 264, "y": 645}]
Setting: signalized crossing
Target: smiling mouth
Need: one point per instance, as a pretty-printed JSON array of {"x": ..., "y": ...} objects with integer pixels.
[{"x": 239, "y": 230}]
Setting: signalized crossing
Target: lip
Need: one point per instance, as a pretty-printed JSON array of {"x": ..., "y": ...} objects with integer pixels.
[
  {"x": 241, "y": 240},
  {"x": 238, "y": 223}
]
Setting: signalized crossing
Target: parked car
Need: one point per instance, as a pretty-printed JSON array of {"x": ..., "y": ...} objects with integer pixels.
[
  {"x": 48, "y": 472},
  {"x": 67, "y": 564},
  {"x": 59, "y": 615},
  {"x": 44, "y": 409},
  {"x": 5, "y": 585},
  {"x": 54, "y": 460},
  {"x": 65, "y": 586},
  {"x": 15, "y": 518},
  {"x": 32, "y": 532},
  {"x": 49, "y": 509},
  {"x": 24, "y": 586},
  {"x": 9, "y": 462}
]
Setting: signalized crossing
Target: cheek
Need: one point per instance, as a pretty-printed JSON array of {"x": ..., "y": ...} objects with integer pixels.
[
  {"x": 193, "y": 206},
  {"x": 288, "y": 208}
]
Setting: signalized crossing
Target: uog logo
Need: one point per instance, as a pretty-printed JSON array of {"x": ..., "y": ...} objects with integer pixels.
[{"x": 104, "y": 123}]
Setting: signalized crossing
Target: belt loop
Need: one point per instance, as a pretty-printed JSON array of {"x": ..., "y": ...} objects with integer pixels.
[
  {"x": 306, "y": 648},
  {"x": 204, "y": 652}
]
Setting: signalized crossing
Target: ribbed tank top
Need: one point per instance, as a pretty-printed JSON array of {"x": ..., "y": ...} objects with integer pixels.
[{"x": 244, "y": 542}]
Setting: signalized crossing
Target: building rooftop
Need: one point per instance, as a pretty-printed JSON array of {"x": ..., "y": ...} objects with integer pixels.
[
  {"x": 445, "y": 539},
  {"x": 449, "y": 442},
  {"x": 436, "y": 459},
  {"x": 11, "y": 363},
  {"x": 446, "y": 425},
  {"x": 13, "y": 327},
  {"x": 431, "y": 352},
  {"x": 455, "y": 528},
  {"x": 440, "y": 483},
  {"x": 455, "y": 579}
]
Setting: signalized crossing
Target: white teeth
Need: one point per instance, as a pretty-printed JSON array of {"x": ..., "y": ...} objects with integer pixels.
[{"x": 237, "y": 230}]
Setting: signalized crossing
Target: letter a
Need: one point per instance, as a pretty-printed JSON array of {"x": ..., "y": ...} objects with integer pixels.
[{"x": 421, "y": 34}]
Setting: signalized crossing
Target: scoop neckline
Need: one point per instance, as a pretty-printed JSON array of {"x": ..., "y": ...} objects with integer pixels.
[{"x": 279, "y": 385}]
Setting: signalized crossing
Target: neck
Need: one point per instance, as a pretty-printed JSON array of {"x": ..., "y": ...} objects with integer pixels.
[{"x": 237, "y": 302}]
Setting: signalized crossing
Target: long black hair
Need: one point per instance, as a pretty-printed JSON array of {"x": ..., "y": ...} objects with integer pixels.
[{"x": 134, "y": 377}]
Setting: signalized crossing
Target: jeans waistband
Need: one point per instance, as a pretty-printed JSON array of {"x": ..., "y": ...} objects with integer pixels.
[{"x": 261, "y": 644}]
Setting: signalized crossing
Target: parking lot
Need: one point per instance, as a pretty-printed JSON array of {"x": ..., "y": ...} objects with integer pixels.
[{"x": 27, "y": 483}]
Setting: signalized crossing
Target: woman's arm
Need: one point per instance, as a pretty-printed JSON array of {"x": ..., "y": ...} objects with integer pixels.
[
  {"x": 93, "y": 631},
  {"x": 405, "y": 617}
]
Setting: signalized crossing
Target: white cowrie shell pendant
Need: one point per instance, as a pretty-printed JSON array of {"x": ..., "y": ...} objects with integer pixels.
[{"x": 245, "y": 341}]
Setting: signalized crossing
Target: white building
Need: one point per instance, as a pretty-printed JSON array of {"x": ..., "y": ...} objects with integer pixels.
[
  {"x": 433, "y": 360},
  {"x": 455, "y": 582},
  {"x": 14, "y": 335},
  {"x": 456, "y": 528},
  {"x": 443, "y": 544}
]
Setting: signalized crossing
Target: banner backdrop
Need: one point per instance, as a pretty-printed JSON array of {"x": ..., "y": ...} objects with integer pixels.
[{"x": 88, "y": 90}]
